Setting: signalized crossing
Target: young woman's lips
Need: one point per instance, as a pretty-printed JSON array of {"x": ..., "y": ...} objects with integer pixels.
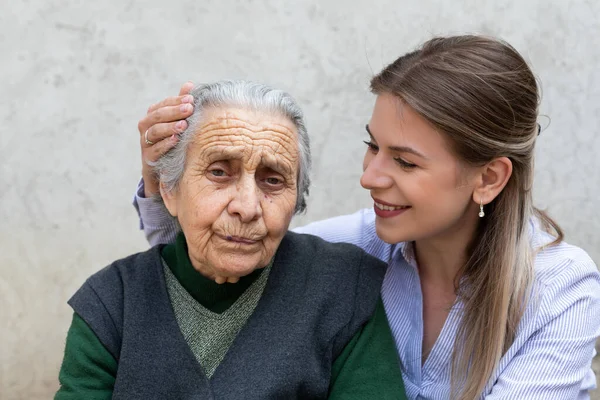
[{"x": 387, "y": 210}]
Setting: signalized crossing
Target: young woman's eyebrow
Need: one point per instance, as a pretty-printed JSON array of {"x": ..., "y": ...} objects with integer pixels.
[{"x": 399, "y": 149}]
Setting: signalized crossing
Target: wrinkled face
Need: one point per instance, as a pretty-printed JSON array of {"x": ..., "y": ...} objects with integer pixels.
[
  {"x": 238, "y": 191},
  {"x": 420, "y": 189}
]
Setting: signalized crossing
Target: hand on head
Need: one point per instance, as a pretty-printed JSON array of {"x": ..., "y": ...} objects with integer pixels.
[{"x": 159, "y": 129}]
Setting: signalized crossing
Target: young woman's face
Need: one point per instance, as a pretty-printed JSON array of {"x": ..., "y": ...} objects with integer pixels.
[{"x": 419, "y": 188}]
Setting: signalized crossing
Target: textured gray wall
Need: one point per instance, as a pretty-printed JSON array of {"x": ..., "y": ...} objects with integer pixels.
[{"x": 76, "y": 78}]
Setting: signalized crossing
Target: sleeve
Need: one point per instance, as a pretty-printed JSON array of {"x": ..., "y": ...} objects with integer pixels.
[
  {"x": 368, "y": 367},
  {"x": 555, "y": 362},
  {"x": 158, "y": 225},
  {"x": 88, "y": 370},
  {"x": 357, "y": 229}
]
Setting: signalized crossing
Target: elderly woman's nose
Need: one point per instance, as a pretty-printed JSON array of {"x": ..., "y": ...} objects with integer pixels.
[
  {"x": 246, "y": 203},
  {"x": 376, "y": 175}
]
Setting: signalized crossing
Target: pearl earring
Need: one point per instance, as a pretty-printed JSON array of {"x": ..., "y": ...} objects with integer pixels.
[{"x": 481, "y": 213}]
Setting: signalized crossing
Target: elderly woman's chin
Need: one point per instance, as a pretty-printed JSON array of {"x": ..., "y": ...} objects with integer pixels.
[
  {"x": 226, "y": 259},
  {"x": 234, "y": 266}
]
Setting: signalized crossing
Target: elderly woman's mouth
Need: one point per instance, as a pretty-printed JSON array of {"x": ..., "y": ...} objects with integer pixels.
[{"x": 239, "y": 239}]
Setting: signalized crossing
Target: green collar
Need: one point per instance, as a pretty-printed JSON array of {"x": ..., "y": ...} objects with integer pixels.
[{"x": 215, "y": 297}]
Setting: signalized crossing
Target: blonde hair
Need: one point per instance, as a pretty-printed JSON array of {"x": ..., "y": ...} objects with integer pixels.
[{"x": 482, "y": 95}]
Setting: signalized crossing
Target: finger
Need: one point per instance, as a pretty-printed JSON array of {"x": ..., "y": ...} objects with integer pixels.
[
  {"x": 186, "y": 88},
  {"x": 155, "y": 151},
  {"x": 165, "y": 114},
  {"x": 171, "y": 101},
  {"x": 159, "y": 132}
]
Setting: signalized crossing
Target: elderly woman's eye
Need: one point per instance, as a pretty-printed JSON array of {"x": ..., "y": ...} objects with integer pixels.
[
  {"x": 273, "y": 181},
  {"x": 217, "y": 172}
]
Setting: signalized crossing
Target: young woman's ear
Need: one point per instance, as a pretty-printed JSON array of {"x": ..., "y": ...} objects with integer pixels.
[{"x": 494, "y": 177}]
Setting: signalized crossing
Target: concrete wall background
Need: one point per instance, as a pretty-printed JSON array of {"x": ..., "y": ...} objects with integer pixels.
[{"x": 77, "y": 77}]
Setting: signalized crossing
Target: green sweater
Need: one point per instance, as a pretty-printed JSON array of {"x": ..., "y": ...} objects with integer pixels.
[{"x": 367, "y": 368}]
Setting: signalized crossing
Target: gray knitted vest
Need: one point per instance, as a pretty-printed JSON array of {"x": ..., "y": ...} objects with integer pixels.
[
  {"x": 317, "y": 297},
  {"x": 209, "y": 334}
]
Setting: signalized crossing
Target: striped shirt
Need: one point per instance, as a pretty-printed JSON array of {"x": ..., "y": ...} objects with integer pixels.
[{"x": 551, "y": 355}]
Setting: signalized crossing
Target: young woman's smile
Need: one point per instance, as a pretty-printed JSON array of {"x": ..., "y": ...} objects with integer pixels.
[{"x": 387, "y": 210}]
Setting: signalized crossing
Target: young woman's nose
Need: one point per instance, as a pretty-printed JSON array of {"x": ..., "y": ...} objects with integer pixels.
[{"x": 376, "y": 174}]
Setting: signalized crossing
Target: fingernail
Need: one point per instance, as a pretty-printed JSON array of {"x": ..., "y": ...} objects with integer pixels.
[
  {"x": 187, "y": 99},
  {"x": 180, "y": 125},
  {"x": 174, "y": 138},
  {"x": 185, "y": 108}
]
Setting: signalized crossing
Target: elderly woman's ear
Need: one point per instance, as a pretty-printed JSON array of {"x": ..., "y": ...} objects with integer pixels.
[{"x": 169, "y": 198}]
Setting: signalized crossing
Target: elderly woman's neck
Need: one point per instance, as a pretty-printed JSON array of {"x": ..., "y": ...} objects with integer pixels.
[{"x": 211, "y": 295}]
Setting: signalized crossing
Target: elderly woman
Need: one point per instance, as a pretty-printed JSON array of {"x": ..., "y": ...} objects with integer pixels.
[{"x": 237, "y": 307}]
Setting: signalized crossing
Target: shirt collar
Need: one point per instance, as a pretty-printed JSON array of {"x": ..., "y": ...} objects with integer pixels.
[{"x": 407, "y": 250}]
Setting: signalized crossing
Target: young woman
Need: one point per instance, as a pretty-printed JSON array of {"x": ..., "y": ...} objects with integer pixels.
[{"x": 484, "y": 298}]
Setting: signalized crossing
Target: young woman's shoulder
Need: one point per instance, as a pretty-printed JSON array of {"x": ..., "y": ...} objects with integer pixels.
[
  {"x": 558, "y": 330},
  {"x": 562, "y": 263}
]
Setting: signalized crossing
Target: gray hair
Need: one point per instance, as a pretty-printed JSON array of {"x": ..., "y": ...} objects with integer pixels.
[{"x": 248, "y": 95}]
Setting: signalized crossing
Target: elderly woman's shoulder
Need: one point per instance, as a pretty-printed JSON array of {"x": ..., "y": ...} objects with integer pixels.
[
  {"x": 101, "y": 300},
  {"x": 140, "y": 266},
  {"x": 332, "y": 257}
]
